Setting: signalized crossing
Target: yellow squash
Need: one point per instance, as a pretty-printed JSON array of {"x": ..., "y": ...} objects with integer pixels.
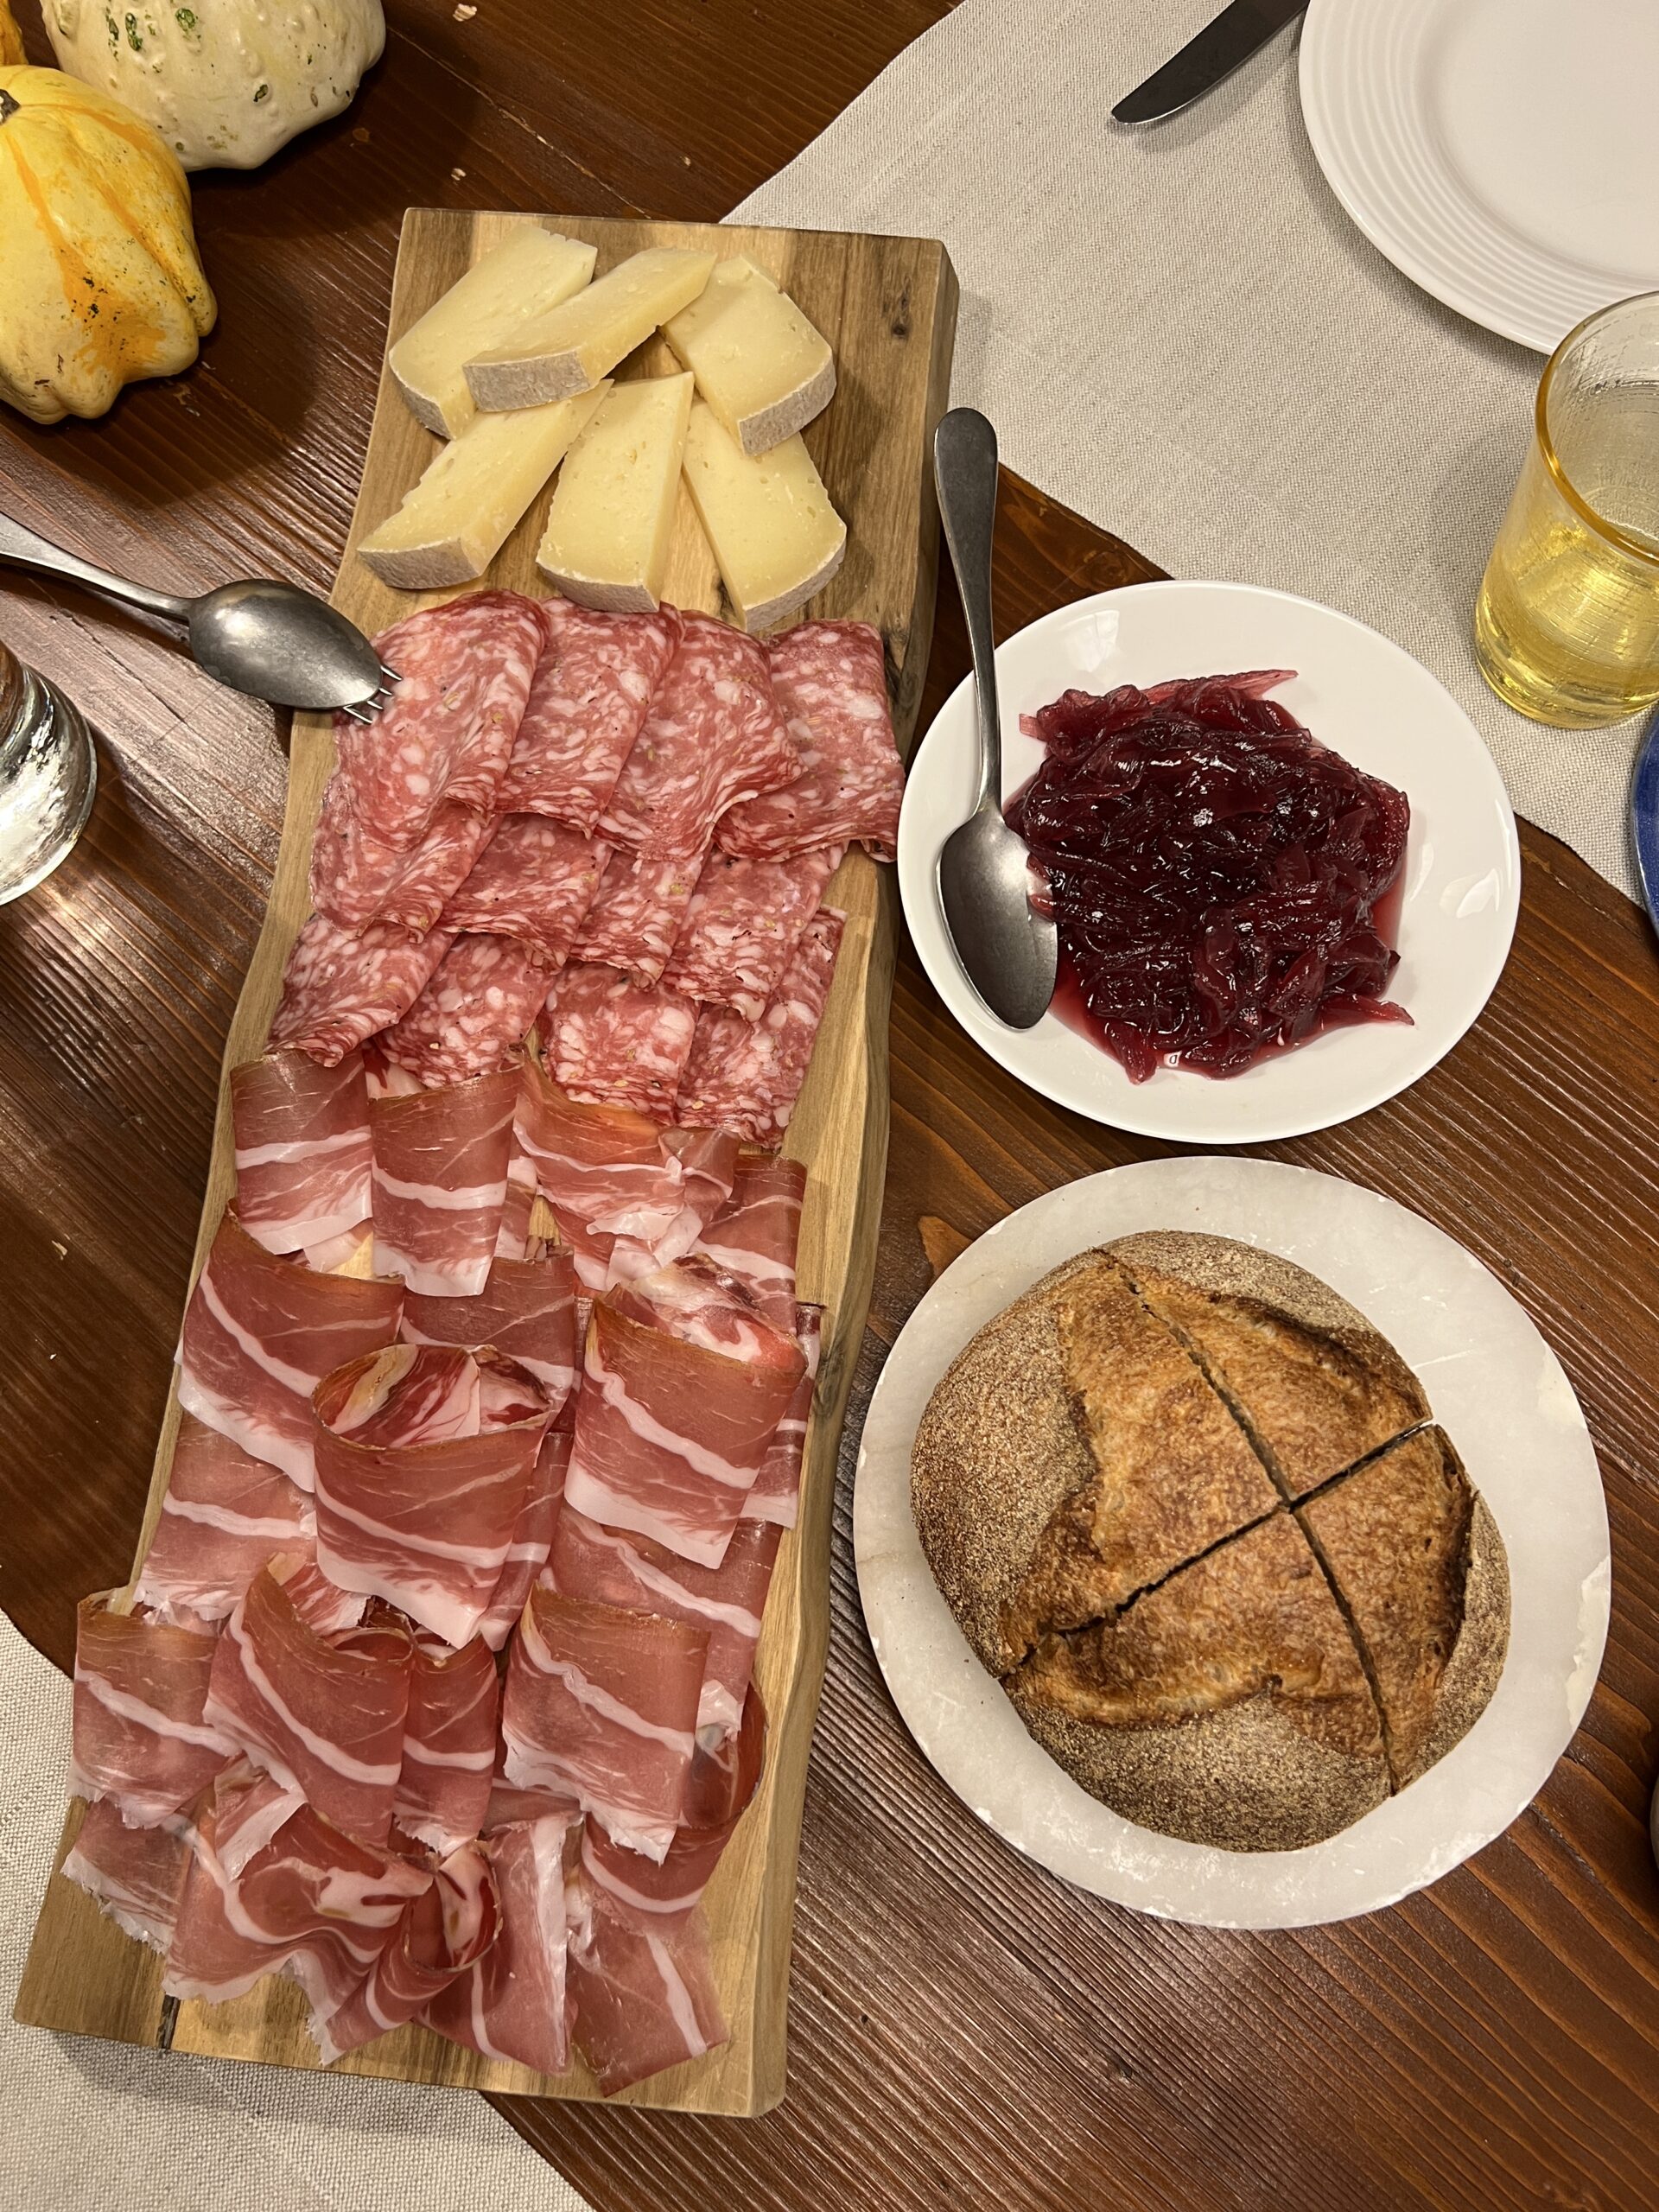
[
  {"x": 11, "y": 39},
  {"x": 100, "y": 283}
]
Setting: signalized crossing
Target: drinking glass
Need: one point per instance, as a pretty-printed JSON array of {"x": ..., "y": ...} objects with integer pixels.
[
  {"x": 1566, "y": 624},
  {"x": 48, "y": 774}
]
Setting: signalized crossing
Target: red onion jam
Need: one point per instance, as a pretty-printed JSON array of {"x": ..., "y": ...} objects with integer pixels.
[{"x": 1215, "y": 872}]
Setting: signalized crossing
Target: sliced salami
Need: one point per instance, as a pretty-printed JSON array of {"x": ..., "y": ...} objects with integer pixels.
[
  {"x": 447, "y": 734},
  {"x": 634, "y": 921},
  {"x": 339, "y": 991},
  {"x": 355, "y": 879},
  {"x": 714, "y": 735},
  {"x": 748, "y": 1075},
  {"x": 474, "y": 1014},
  {"x": 611, "y": 1043},
  {"x": 536, "y": 880},
  {"x": 830, "y": 679},
  {"x": 593, "y": 684},
  {"x": 744, "y": 922}
]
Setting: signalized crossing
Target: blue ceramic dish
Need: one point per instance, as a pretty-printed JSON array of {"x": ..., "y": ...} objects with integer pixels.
[{"x": 1644, "y": 817}]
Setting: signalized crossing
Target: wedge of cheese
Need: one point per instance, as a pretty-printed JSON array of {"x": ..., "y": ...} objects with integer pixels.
[
  {"x": 612, "y": 518},
  {"x": 530, "y": 271},
  {"x": 457, "y": 518},
  {"x": 759, "y": 364},
  {"x": 768, "y": 517},
  {"x": 568, "y": 349}
]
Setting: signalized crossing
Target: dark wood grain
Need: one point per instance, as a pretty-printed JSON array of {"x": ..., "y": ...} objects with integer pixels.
[{"x": 965, "y": 2030}]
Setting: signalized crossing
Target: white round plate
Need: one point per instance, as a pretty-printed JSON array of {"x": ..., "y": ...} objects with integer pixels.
[
  {"x": 1500, "y": 152},
  {"x": 1358, "y": 693},
  {"x": 1506, "y": 1404}
]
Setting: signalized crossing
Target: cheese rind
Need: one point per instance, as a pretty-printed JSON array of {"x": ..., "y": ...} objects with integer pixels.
[
  {"x": 763, "y": 368},
  {"x": 776, "y": 537},
  {"x": 531, "y": 270},
  {"x": 567, "y": 350},
  {"x": 457, "y": 518},
  {"x": 612, "y": 517}
]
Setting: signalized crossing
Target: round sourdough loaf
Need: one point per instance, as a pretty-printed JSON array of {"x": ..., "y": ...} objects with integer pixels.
[{"x": 1189, "y": 1507}]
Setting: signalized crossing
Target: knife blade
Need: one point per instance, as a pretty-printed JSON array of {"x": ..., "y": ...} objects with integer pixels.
[{"x": 1219, "y": 48}]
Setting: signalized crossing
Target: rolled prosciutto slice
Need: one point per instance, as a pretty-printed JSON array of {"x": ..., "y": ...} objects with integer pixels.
[
  {"x": 602, "y": 1702},
  {"x": 535, "y": 880},
  {"x": 441, "y": 1183},
  {"x": 340, "y": 988},
  {"x": 137, "y": 1875},
  {"x": 443, "y": 1791},
  {"x": 684, "y": 1383},
  {"x": 260, "y": 1333},
  {"x": 776, "y": 1490},
  {"x": 748, "y": 1075},
  {"x": 593, "y": 684},
  {"x": 646, "y": 1996},
  {"x": 444, "y": 1931},
  {"x": 526, "y": 1310},
  {"x": 511, "y": 2003},
  {"x": 515, "y": 1239},
  {"x": 302, "y": 1148},
  {"x": 142, "y": 1734},
  {"x": 718, "y": 1789},
  {"x": 756, "y": 1235},
  {"x": 225, "y": 1515},
  {"x": 532, "y": 1538},
  {"x": 325, "y": 1720},
  {"x": 420, "y": 1487}
]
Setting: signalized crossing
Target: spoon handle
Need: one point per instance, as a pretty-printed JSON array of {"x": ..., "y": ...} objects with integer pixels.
[
  {"x": 21, "y": 549},
  {"x": 964, "y": 470}
]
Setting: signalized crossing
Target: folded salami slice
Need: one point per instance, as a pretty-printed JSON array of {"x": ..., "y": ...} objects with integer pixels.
[
  {"x": 714, "y": 736},
  {"x": 830, "y": 679},
  {"x": 443, "y": 1932},
  {"x": 142, "y": 1735},
  {"x": 532, "y": 1538},
  {"x": 536, "y": 881},
  {"x": 448, "y": 732},
  {"x": 224, "y": 1515},
  {"x": 510, "y": 2004},
  {"x": 440, "y": 1182},
  {"x": 339, "y": 989},
  {"x": 611, "y": 1043},
  {"x": 260, "y": 1333},
  {"x": 356, "y": 880},
  {"x": 638, "y": 914},
  {"x": 756, "y": 1234},
  {"x": 748, "y": 1075},
  {"x": 443, "y": 1791},
  {"x": 302, "y": 1148},
  {"x": 137, "y": 1875},
  {"x": 776, "y": 1492},
  {"x": 474, "y": 1014},
  {"x": 527, "y": 1310},
  {"x": 645, "y": 1997},
  {"x": 593, "y": 684},
  {"x": 741, "y": 928}
]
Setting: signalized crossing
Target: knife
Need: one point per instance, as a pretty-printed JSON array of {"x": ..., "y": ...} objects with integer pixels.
[{"x": 1219, "y": 48}]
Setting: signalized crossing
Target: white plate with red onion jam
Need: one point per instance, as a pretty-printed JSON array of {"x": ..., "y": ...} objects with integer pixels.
[{"x": 1230, "y": 898}]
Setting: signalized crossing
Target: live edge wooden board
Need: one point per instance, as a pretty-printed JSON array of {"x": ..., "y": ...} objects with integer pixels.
[{"x": 887, "y": 307}]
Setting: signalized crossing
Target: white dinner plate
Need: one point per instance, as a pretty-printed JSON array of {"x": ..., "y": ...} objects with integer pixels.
[
  {"x": 1500, "y": 152},
  {"x": 1358, "y": 693},
  {"x": 1504, "y": 1402}
]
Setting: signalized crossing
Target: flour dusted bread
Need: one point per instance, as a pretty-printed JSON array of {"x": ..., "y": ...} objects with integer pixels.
[{"x": 1187, "y": 1506}]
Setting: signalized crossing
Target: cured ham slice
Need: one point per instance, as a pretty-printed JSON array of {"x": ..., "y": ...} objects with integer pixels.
[
  {"x": 250, "y": 1807},
  {"x": 223, "y": 1517},
  {"x": 607, "y": 1568},
  {"x": 441, "y": 1183},
  {"x": 830, "y": 679},
  {"x": 535, "y": 880},
  {"x": 421, "y": 1515},
  {"x": 639, "y": 912},
  {"x": 260, "y": 1333},
  {"x": 443, "y": 1791},
  {"x": 756, "y": 1235},
  {"x": 526, "y": 1310},
  {"x": 683, "y": 1385},
  {"x": 602, "y": 1702},
  {"x": 646, "y": 1996},
  {"x": 718, "y": 1789},
  {"x": 446, "y": 735},
  {"x": 474, "y": 1013},
  {"x": 747, "y": 1075},
  {"x": 137, "y": 1875},
  {"x": 714, "y": 736},
  {"x": 611, "y": 1043},
  {"x": 777, "y": 1490},
  {"x": 142, "y": 1734},
  {"x": 745, "y": 919},
  {"x": 593, "y": 684},
  {"x": 356, "y": 880},
  {"x": 532, "y": 1539},
  {"x": 339, "y": 989},
  {"x": 512, "y": 2003},
  {"x": 443, "y": 1932},
  {"x": 321, "y": 1604},
  {"x": 326, "y": 1721},
  {"x": 302, "y": 1148},
  {"x": 515, "y": 1239}
]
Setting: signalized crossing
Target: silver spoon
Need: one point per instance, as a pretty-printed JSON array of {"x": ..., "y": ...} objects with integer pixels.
[
  {"x": 1008, "y": 952},
  {"x": 273, "y": 640}
]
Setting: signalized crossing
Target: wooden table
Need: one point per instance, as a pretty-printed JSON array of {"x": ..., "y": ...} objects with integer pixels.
[{"x": 966, "y": 2031}]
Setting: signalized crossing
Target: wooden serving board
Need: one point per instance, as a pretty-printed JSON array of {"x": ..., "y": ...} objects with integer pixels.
[{"x": 887, "y": 306}]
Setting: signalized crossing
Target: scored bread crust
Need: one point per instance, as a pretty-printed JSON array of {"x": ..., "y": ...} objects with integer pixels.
[{"x": 1483, "y": 1644}]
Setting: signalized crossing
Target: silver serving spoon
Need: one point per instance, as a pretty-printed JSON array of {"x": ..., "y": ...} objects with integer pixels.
[
  {"x": 1008, "y": 952},
  {"x": 273, "y": 640}
]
